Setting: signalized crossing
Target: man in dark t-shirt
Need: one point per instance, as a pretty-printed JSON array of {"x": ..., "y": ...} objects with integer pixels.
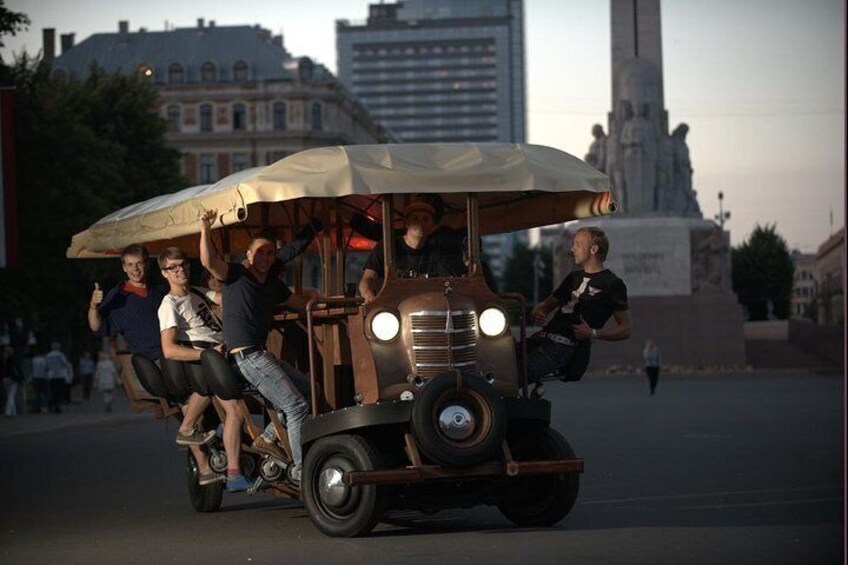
[
  {"x": 582, "y": 304},
  {"x": 251, "y": 291},
  {"x": 130, "y": 309},
  {"x": 415, "y": 254}
]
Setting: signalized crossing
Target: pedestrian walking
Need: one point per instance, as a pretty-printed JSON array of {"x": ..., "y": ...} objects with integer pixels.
[
  {"x": 86, "y": 374},
  {"x": 58, "y": 371},
  {"x": 106, "y": 378},
  {"x": 653, "y": 360},
  {"x": 13, "y": 378},
  {"x": 39, "y": 380}
]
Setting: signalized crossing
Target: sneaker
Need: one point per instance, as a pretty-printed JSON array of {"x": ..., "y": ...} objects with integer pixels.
[
  {"x": 238, "y": 483},
  {"x": 210, "y": 477},
  {"x": 194, "y": 438},
  {"x": 294, "y": 474},
  {"x": 266, "y": 447}
]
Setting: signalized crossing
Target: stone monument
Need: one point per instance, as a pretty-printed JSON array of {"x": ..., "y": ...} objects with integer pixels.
[{"x": 675, "y": 263}]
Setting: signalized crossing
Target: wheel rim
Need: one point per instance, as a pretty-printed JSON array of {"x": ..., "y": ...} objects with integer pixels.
[
  {"x": 456, "y": 422},
  {"x": 462, "y": 418},
  {"x": 331, "y": 489},
  {"x": 336, "y": 499}
]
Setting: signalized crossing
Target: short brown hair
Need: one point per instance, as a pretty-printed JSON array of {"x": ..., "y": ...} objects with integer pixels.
[
  {"x": 171, "y": 253},
  {"x": 137, "y": 250},
  {"x": 599, "y": 238},
  {"x": 266, "y": 234}
]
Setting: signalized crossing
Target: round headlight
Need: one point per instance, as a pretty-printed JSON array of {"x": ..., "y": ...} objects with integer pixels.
[
  {"x": 492, "y": 322},
  {"x": 385, "y": 326}
]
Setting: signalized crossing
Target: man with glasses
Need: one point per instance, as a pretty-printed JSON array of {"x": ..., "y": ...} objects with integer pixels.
[{"x": 188, "y": 325}]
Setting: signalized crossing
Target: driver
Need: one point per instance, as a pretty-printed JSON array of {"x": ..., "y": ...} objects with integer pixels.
[{"x": 415, "y": 256}]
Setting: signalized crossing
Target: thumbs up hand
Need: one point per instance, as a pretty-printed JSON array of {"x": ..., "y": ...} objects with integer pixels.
[{"x": 96, "y": 296}]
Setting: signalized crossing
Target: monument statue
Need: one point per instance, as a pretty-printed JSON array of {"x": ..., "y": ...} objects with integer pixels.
[
  {"x": 597, "y": 155},
  {"x": 685, "y": 201},
  {"x": 641, "y": 157}
]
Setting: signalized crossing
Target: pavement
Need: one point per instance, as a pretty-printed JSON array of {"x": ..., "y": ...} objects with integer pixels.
[{"x": 80, "y": 413}]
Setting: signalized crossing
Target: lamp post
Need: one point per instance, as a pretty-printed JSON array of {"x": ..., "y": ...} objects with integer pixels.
[{"x": 722, "y": 215}]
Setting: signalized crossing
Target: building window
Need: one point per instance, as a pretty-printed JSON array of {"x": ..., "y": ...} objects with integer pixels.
[
  {"x": 279, "y": 115},
  {"x": 176, "y": 75},
  {"x": 239, "y": 117},
  {"x": 206, "y": 117},
  {"x": 316, "y": 117},
  {"x": 240, "y": 162},
  {"x": 208, "y": 72},
  {"x": 174, "y": 118},
  {"x": 240, "y": 71},
  {"x": 208, "y": 168}
]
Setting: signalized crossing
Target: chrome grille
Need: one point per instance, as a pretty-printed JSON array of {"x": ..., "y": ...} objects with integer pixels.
[{"x": 442, "y": 341}]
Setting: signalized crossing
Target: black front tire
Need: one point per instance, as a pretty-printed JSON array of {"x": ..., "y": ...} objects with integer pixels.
[
  {"x": 539, "y": 500},
  {"x": 205, "y": 498},
  {"x": 336, "y": 509}
]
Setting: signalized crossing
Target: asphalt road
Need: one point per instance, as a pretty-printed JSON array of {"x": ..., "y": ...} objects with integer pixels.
[{"x": 723, "y": 469}]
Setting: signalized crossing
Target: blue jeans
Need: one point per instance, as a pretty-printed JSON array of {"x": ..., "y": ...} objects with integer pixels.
[
  {"x": 545, "y": 357},
  {"x": 274, "y": 380}
]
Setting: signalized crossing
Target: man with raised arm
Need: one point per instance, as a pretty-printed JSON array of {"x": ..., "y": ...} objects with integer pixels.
[
  {"x": 582, "y": 303},
  {"x": 251, "y": 291}
]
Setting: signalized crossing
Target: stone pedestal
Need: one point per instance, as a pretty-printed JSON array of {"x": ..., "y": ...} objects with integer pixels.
[{"x": 677, "y": 272}]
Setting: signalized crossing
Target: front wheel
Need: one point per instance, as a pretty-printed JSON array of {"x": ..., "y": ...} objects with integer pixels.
[
  {"x": 539, "y": 500},
  {"x": 337, "y": 509},
  {"x": 204, "y": 498}
]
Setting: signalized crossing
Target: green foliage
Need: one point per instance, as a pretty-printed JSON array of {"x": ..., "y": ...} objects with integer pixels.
[
  {"x": 519, "y": 271},
  {"x": 11, "y": 22},
  {"x": 763, "y": 272},
  {"x": 84, "y": 149}
]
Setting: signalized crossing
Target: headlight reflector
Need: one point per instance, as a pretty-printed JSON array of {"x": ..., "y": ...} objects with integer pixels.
[
  {"x": 385, "y": 326},
  {"x": 492, "y": 322}
]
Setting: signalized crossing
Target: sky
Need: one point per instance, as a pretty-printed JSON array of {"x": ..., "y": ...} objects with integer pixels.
[{"x": 761, "y": 84}]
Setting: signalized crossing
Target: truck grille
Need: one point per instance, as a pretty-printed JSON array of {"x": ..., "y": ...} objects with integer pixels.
[{"x": 443, "y": 340}]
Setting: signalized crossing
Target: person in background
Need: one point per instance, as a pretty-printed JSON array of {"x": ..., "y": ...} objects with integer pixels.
[
  {"x": 58, "y": 369},
  {"x": 12, "y": 378},
  {"x": 106, "y": 377},
  {"x": 653, "y": 360},
  {"x": 39, "y": 380},
  {"x": 86, "y": 373}
]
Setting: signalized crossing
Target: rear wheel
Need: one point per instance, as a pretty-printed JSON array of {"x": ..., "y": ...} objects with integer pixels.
[
  {"x": 337, "y": 509},
  {"x": 204, "y": 498},
  {"x": 539, "y": 500}
]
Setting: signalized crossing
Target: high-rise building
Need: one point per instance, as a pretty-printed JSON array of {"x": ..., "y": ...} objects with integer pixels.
[
  {"x": 233, "y": 96},
  {"x": 439, "y": 70}
]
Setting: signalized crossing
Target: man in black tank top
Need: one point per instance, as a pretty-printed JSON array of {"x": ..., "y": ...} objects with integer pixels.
[{"x": 581, "y": 306}]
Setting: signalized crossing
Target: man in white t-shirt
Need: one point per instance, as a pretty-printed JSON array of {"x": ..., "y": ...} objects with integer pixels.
[{"x": 188, "y": 326}]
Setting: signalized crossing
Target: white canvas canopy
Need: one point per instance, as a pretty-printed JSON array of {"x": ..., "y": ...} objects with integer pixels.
[{"x": 519, "y": 186}]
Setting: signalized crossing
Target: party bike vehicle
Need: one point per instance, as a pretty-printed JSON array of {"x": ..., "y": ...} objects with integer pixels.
[{"x": 418, "y": 398}]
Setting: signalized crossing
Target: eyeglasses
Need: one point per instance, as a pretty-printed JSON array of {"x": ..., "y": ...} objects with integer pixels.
[{"x": 176, "y": 267}]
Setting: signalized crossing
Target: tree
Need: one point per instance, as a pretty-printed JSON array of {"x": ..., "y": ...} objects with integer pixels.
[
  {"x": 763, "y": 273},
  {"x": 84, "y": 149},
  {"x": 519, "y": 271},
  {"x": 11, "y": 22}
]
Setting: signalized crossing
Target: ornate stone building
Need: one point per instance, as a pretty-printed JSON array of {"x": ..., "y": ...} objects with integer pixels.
[{"x": 232, "y": 96}]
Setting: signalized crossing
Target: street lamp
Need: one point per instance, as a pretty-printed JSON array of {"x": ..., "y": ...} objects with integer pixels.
[{"x": 722, "y": 215}]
